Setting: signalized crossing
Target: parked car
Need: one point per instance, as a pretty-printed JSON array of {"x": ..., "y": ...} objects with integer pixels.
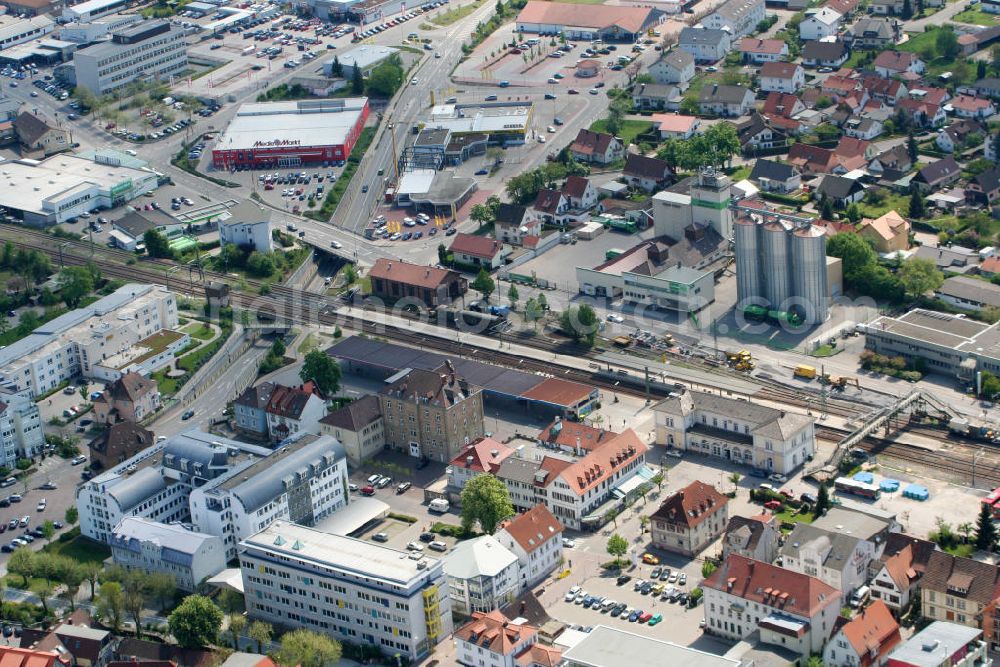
[
  {"x": 380, "y": 537},
  {"x": 403, "y": 486}
]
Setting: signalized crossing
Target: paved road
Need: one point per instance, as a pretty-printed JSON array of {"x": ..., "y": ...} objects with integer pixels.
[{"x": 937, "y": 18}]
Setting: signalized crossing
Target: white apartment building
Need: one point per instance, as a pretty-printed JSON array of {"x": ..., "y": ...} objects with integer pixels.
[
  {"x": 792, "y": 610},
  {"x": 302, "y": 481},
  {"x": 819, "y": 22},
  {"x": 249, "y": 226},
  {"x": 738, "y": 17},
  {"x": 835, "y": 558},
  {"x": 148, "y": 50},
  {"x": 78, "y": 342},
  {"x": 482, "y": 575},
  {"x": 535, "y": 537},
  {"x": 21, "y": 433},
  {"x": 156, "y": 483},
  {"x": 353, "y": 590},
  {"x": 737, "y": 430},
  {"x": 149, "y": 546}
]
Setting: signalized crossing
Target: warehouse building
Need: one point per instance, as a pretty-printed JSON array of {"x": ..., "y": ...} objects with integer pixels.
[
  {"x": 92, "y": 9},
  {"x": 365, "y": 57},
  {"x": 17, "y": 31},
  {"x": 610, "y": 23},
  {"x": 147, "y": 50},
  {"x": 291, "y": 134},
  {"x": 88, "y": 32},
  {"x": 62, "y": 187}
]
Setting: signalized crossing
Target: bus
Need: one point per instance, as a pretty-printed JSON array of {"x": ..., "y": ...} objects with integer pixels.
[
  {"x": 848, "y": 485},
  {"x": 993, "y": 500}
]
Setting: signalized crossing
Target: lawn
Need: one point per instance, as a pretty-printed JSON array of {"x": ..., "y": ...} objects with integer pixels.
[
  {"x": 919, "y": 41},
  {"x": 962, "y": 550},
  {"x": 826, "y": 350},
  {"x": 456, "y": 14},
  {"x": 630, "y": 128},
  {"x": 199, "y": 330},
  {"x": 975, "y": 17},
  {"x": 739, "y": 174},
  {"x": 790, "y": 516},
  {"x": 166, "y": 386},
  {"x": 80, "y": 549},
  {"x": 892, "y": 202},
  {"x": 308, "y": 343}
]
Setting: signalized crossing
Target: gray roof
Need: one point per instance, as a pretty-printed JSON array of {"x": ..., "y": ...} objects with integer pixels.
[
  {"x": 518, "y": 470},
  {"x": 864, "y": 523},
  {"x": 482, "y": 556},
  {"x": 949, "y": 257},
  {"x": 678, "y": 59},
  {"x": 261, "y": 480},
  {"x": 772, "y": 170},
  {"x": 663, "y": 91},
  {"x": 612, "y": 647},
  {"x": 723, "y": 93},
  {"x": 137, "y": 487},
  {"x": 872, "y": 27},
  {"x": 935, "y": 644},
  {"x": 838, "y": 187},
  {"x": 132, "y": 530},
  {"x": 735, "y": 9},
  {"x": 834, "y": 548},
  {"x": 767, "y": 422},
  {"x": 971, "y": 289},
  {"x": 703, "y": 36}
]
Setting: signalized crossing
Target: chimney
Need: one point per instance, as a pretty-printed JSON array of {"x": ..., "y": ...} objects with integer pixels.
[
  {"x": 578, "y": 449},
  {"x": 468, "y": 461}
]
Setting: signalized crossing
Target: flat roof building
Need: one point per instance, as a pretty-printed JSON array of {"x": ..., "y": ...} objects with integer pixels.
[
  {"x": 17, "y": 31},
  {"x": 285, "y": 134},
  {"x": 364, "y": 57},
  {"x": 610, "y": 647},
  {"x": 613, "y": 23},
  {"x": 92, "y": 9},
  {"x": 336, "y": 585},
  {"x": 144, "y": 51}
]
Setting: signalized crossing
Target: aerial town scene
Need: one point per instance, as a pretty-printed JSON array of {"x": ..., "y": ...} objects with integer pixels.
[{"x": 499, "y": 333}]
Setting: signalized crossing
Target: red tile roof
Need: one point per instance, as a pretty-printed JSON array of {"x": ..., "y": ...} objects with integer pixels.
[
  {"x": 483, "y": 457},
  {"x": 290, "y": 401},
  {"x": 589, "y": 143},
  {"x": 576, "y": 186},
  {"x": 600, "y": 464},
  {"x": 427, "y": 277},
  {"x": 494, "y": 632},
  {"x": 23, "y": 657},
  {"x": 772, "y": 586},
  {"x": 781, "y": 104},
  {"x": 539, "y": 654},
  {"x": 778, "y": 70},
  {"x": 547, "y": 200},
  {"x": 631, "y": 19},
  {"x": 872, "y": 633},
  {"x": 476, "y": 246},
  {"x": 970, "y": 103},
  {"x": 572, "y": 434},
  {"x": 766, "y": 46},
  {"x": 691, "y": 505},
  {"x": 895, "y": 61},
  {"x": 990, "y": 265},
  {"x": 558, "y": 392},
  {"x": 533, "y": 528}
]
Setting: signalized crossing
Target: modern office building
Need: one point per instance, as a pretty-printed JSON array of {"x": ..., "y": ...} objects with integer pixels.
[
  {"x": 79, "y": 342},
  {"x": 88, "y": 32},
  {"x": 302, "y": 481},
  {"x": 21, "y": 433},
  {"x": 152, "y": 547},
  {"x": 354, "y": 590},
  {"x": 781, "y": 265},
  {"x": 146, "y": 51},
  {"x": 737, "y": 430},
  {"x": 289, "y": 134}
]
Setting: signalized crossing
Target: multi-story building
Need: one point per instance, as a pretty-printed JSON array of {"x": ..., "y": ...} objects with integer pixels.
[
  {"x": 118, "y": 443},
  {"x": 292, "y": 410},
  {"x": 690, "y": 519},
  {"x": 482, "y": 575},
  {"x": 535, "y": 537},
  {"x": 754, "y": 537},
  {"x": 156, "y": 483},
  {"x": 431, "y": 414},
  {"x": 738, "y": 430},
  {"x": 864, "y": 641},
  {"x": 963, "y": 591},
  {"x": 145, "y": 51},
  {"x": 819, "y": 22},
  {"x": 792, "y": 610},
  {"x": 358, "y": 427},
  {"x": 834, "y": 557},
  {"x": 354, "y": 590},
  {"x": 149, "y": 546},
  {"x": 482, "y": 455},
  {"x": 896, "y": 578},
  {"x": 130, "y": 398},
  {"x": 249, "y": 411},
  {"x": 493, "y": 640},
  {"x": 302, "y": 481},
  {"x": 20, "y": 427},
  {"x": 942, "y": 643},
  {"x": 78, "y": 342},
  {"x": 738, "y": 17},
  {"x": 249, "y": 226}
]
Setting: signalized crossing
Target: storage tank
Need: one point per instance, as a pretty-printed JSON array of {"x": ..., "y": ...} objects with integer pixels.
[
  {"x": 748, "y": 274},
  {"x": 809, "y": 273},
  {"x": 777, "y": 282}
]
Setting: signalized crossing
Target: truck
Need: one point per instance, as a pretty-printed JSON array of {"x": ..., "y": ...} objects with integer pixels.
[
  {"x": 439, "y": 505},
  {"x": 805, "y": 372}
]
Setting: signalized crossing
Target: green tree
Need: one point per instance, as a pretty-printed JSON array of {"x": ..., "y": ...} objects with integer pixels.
[
  {"x": 532, "y": 311},
  {"x": 735, "y": 478},
  {"x": 156, "y": 244},
  {"x": 237, "y": 624},
  {"x": 71, "y": 577},
  {"x": 321, "y": 369},
  {"x": 986, "y": 531},
  {"x": 162, "y": 587},
  {"x": 48, "y": 530},
  {"x": 231, "y": 256},
  {"x": 826, "y": 207},
  {"x": 580, "y": 322},
  {"x": 134, "y": 590},
  {"x": 907, "y": 12},
  {"x": 23, "y": 563},
  {"x": 617, "y": 109},
  {"x": 853, "y": 213},
  {"x": 989, "y": 385},
  {"x": 111, "y": 604},
  {"x": 919, "y": 276},
  {"x": 481, "y": 214},
  {"x": 966, "y": 529},
  {"x": 513, "y": 295},
  {"x": 304, "y": 648},
  {"x": 946, "y": 42},
  {"x": 72, "y": 515},
  {"x": 77, "y": 283},
  {"x": 260, "y": 264},
  {"x": 855, "y": 252},
  {"x": 442, "y": 254},
  {"x": 196, "y": 622},
  {"x": 336, "y": 69},
  {"x": 385, "y": 79},
  {"x": 485, "y": 500},
  {"x": 91, "y": 572},
  {"x": 357, "y": 82},
  {"x": 617, "y": 547},
  {"x": 822, "y": 501},
  {"x": 484, "y": 284},
  {"x": 707, "y": 568},
  {"x": 911, "y": 147},
  {"x": 917, "y": 207},
  {"x": 261, "y": 633}
]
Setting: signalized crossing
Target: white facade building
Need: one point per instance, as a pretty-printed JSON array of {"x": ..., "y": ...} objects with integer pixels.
[
  {"x": 535, "y": 537},
  {"x": 738, "y": 17},
  {"x": 744, "y": 432},
  {"x": 148, "y": 546},
  {"x": 482, "y": 575},
  {"x": 18, "y": 31},
  {"x": 78, "y": 342},
  {"x": 21, "y": 433},
  {"x": 302, "y": 481},
  {"x": 248, "y": 227},
  {"x": 148, "y": 50},
  {"x": 819, "y": 23},
  {"x": 353, "y": 590}
]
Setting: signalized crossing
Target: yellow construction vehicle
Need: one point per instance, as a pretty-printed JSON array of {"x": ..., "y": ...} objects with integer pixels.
[{"x": 803, "y": 371}]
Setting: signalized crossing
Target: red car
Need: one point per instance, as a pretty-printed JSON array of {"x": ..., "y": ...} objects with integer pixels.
[
  {"x": 645, "y": 617},
  {"x": 773, "y": 505},
  {"x": 368, "y": 490}
]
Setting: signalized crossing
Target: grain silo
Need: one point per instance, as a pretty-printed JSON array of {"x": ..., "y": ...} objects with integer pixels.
[
  {"x": 748, "y": 268},
  {"x": 809, "y": 273},
  {"x": 776, "y": 262}
]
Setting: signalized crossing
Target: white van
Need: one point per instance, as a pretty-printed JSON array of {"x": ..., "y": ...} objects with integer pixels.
[
  {"x": 439, "y": 505},
  {"x": 860, "y": 596}
]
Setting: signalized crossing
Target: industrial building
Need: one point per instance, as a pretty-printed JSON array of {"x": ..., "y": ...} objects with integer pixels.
[
  {"x": 610, "y": 23},
  {"x": 503, "y": 123},
  {"x": 144, "y": 51},
  {"x": 87, "y": 32},
  {"x": 290, "y": 134},
  {"x": 17, "y": 31},
  {"x": 82, "y": 341},
  {"x": 703, "y": 202},
  {"x": 92, "y": 9},
  {"x": 947, "y": 344},
  {"x": 436, "y": 193},
  {"x": 336, "y": 585},
  {"x": 364, "y": 57},
  {"x": 781, "y": 266}
]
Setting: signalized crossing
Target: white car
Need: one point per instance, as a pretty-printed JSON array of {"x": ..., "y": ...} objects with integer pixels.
[
  {"x": 568, "y": 543},
  {"x": 580, "y": 597},
  {"x": 571, "y": 594},
  {"x": 413, "y": 81},
  {"x": 374, "y": 478},
  {"x": 550, "y": 128},
  {"x": 778, "y": 477},
  {"x": 415, "y": 546},
  {"x": 617, "y": 319},
  {"x": 541, "y": 138},
  {"x": 336, "y": 244}
]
